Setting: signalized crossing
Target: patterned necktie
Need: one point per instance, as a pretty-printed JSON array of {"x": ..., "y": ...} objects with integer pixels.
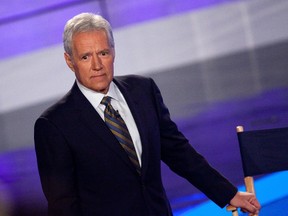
[{"x": 118, "y": 127}]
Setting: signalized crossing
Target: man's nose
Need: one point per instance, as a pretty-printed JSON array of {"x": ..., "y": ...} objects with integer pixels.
[{"x": 96, "y": 63}]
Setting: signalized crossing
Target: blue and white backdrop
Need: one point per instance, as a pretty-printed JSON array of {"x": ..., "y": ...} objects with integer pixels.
[{"x": 217, "y": 62}]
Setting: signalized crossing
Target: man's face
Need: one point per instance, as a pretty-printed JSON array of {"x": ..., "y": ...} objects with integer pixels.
[{"x": 92, "y": 60}]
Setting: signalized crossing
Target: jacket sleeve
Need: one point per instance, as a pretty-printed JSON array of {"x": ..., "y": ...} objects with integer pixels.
[
  {"x": 184, "y": 160},
  {"x": 55, "y": 164}
]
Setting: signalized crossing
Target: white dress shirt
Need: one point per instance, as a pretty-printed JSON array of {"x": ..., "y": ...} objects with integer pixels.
[{"x": 118, "y": 102}]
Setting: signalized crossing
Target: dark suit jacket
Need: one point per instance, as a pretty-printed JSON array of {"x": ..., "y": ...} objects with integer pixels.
[{"x": 85, "y": 172}]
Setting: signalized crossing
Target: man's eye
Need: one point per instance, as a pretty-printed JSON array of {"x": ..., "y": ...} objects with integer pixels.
[
  {"x": 84, "y": 57},
  {"x": 104, "y": 53}
]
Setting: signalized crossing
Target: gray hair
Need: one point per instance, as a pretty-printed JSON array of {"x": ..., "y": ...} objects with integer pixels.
[{"x": 85, "y": 22}]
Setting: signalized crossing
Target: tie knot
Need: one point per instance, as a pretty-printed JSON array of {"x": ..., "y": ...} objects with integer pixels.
[{"x": 106, "y": 100}]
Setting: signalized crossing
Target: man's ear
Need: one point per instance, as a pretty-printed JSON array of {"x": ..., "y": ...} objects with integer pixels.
[{"x": 69, "y": 61}]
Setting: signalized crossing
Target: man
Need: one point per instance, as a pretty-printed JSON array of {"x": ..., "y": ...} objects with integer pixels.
[{"x": 85, "y": 168}]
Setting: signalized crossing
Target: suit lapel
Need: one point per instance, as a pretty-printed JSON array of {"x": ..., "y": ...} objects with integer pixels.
[
  {"x": 134, "y": 103},
  {"x": 94, "y": 122}
]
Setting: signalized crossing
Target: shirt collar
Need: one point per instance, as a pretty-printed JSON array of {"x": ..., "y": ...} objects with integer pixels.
[{"x": 95, "y": 97}]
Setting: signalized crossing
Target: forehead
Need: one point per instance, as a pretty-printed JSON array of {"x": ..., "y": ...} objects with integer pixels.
[
  {"x": 96, "y": 38},
  {"x": 90, "y": 35}
]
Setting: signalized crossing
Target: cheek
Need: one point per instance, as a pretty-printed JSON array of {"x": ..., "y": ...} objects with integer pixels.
[
  {"x": 81, "y": 72},
  {"x": 110, "y": 67},
  {"x": 82, "y": 69}
]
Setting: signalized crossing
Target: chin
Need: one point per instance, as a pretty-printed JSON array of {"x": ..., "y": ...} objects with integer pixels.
[{"x": 103, "y": 90}]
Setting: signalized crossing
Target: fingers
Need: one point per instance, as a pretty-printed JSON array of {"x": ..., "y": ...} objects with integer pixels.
[
  {"x": 252, "y": 211},
  {"x": 251, "y": 206},
  {"x": 253, "y": 201},
  {"x": 247, "y": 202}
]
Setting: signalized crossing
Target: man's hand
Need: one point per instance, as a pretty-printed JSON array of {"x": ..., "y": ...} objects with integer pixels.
[{"x": 247, "y": 202}]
